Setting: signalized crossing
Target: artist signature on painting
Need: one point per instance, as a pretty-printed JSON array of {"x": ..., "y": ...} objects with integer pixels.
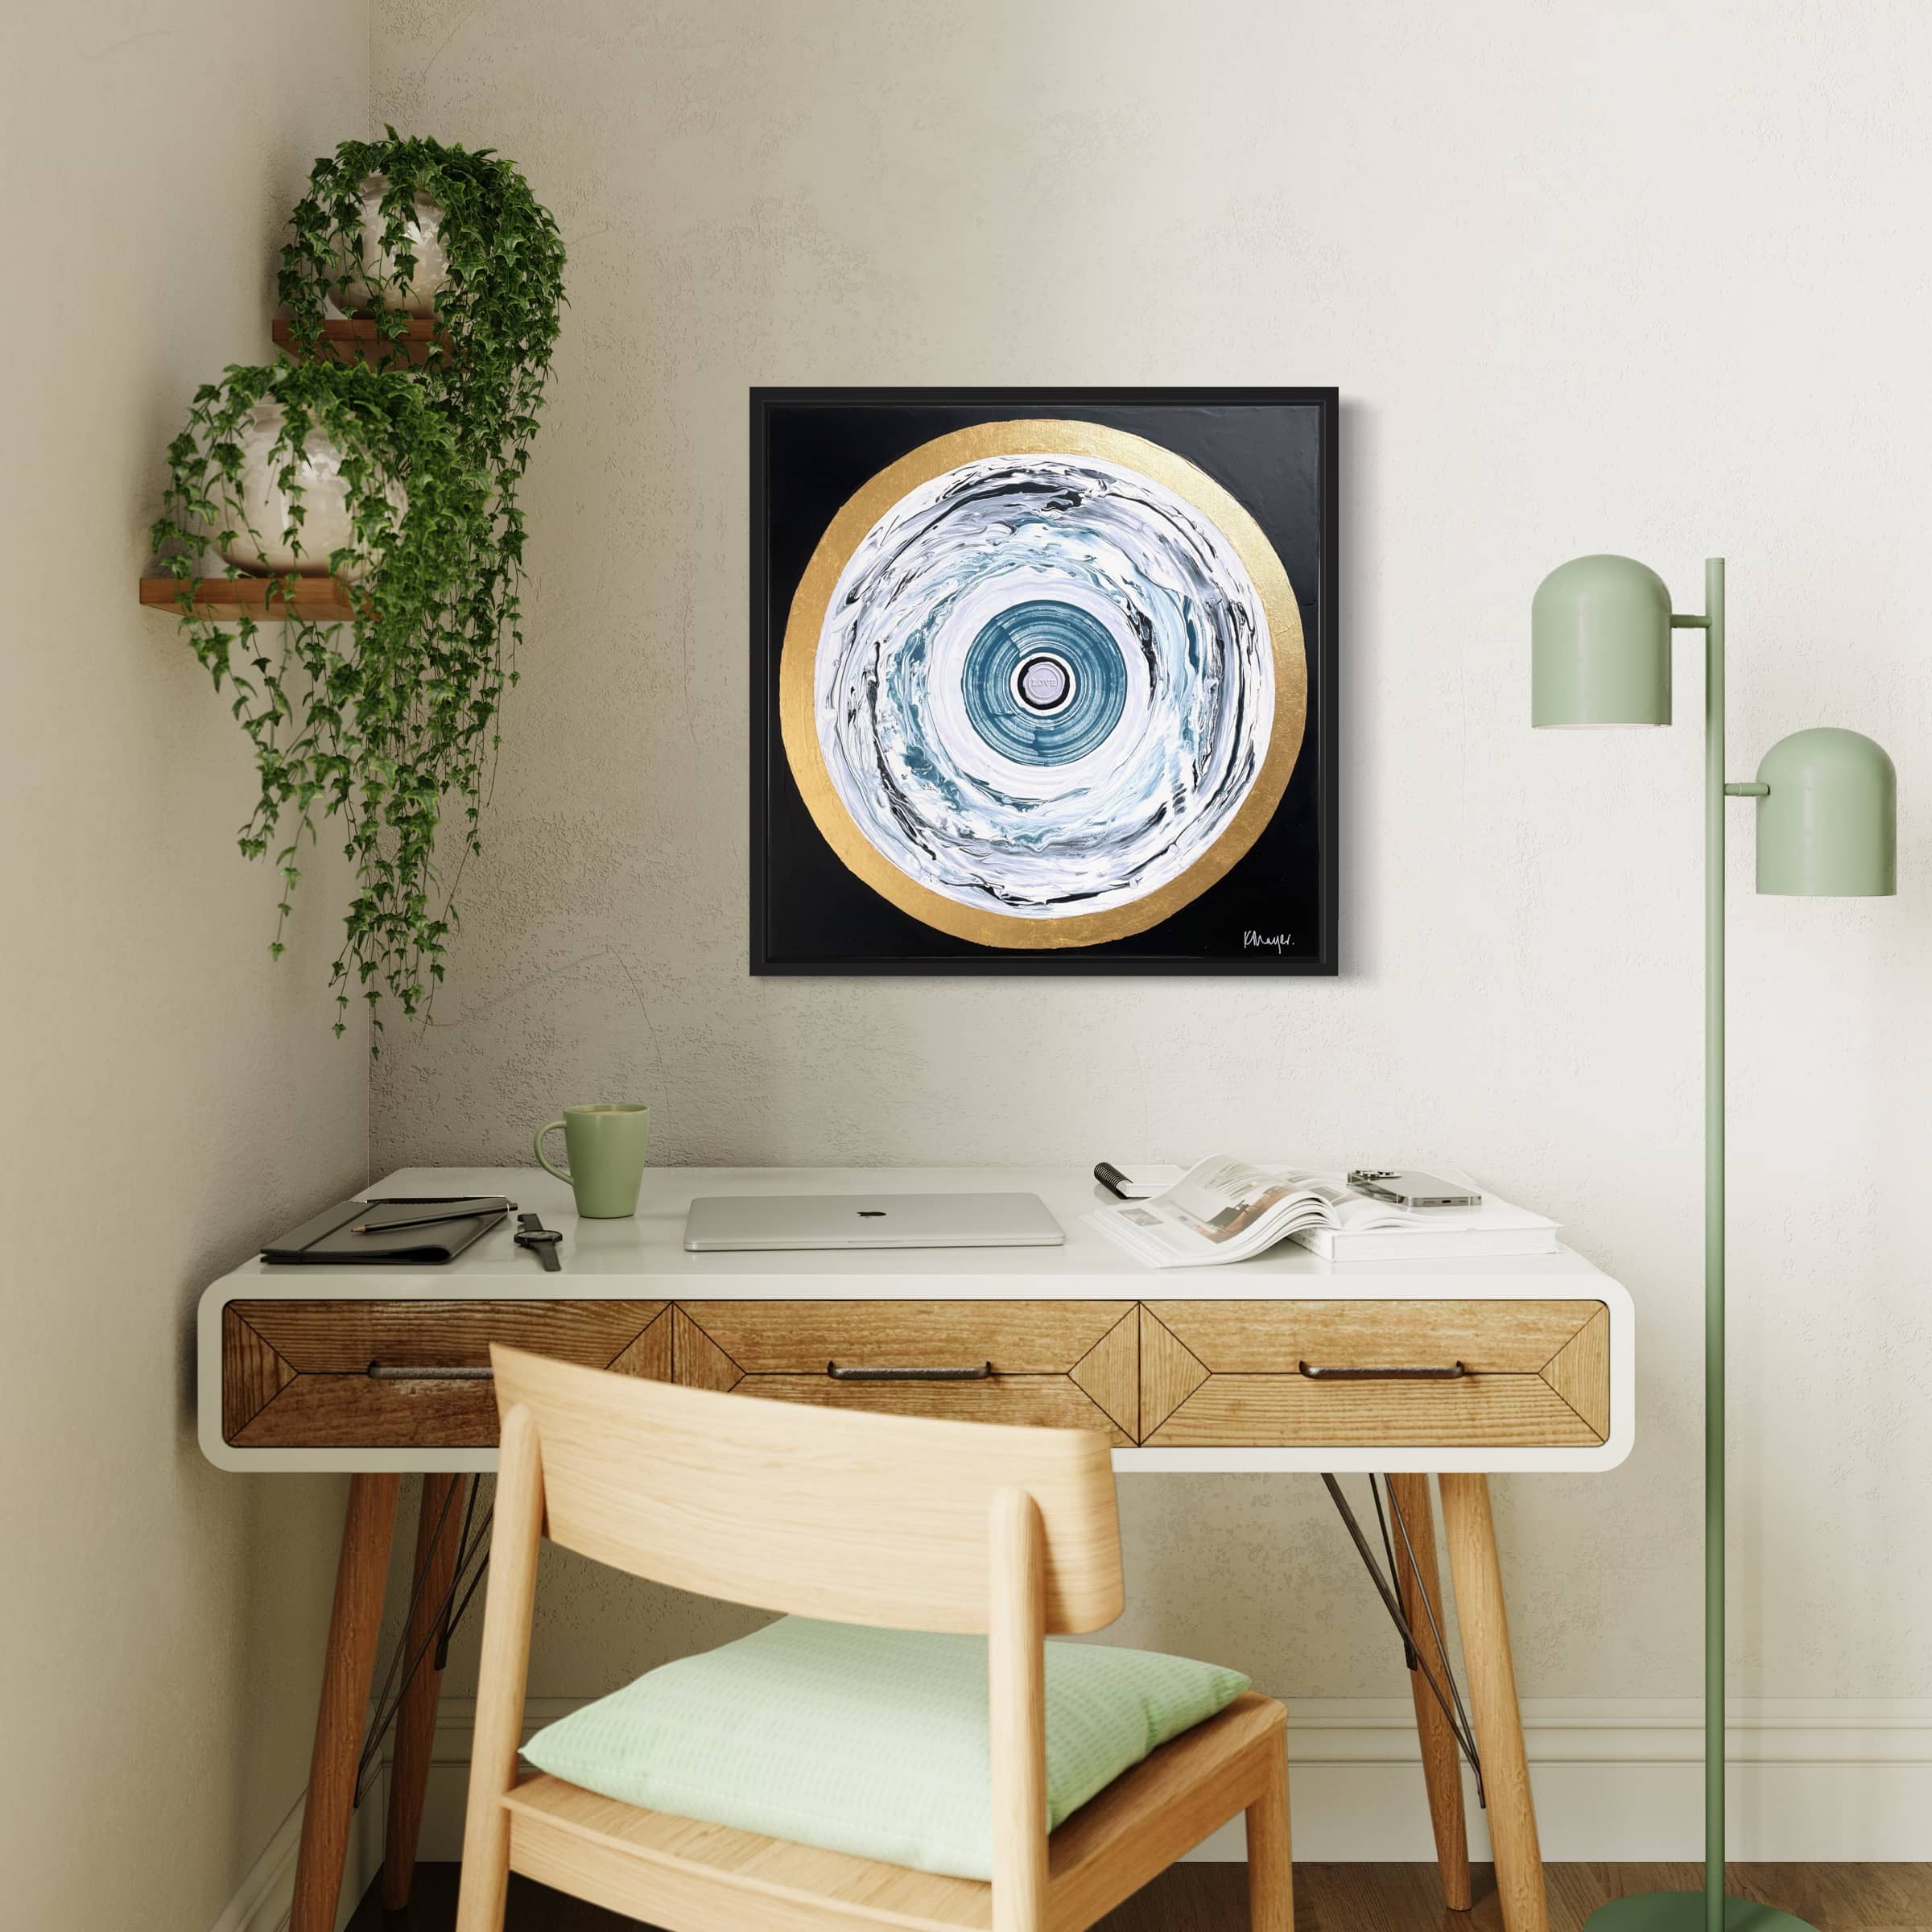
[{"x": 1266, "y": 942}]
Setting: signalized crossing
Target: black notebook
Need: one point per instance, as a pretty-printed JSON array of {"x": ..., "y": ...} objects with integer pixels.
[{"x": 327, "y": 1237}]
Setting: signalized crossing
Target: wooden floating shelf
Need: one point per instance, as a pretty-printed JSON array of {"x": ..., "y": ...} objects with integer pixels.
[
  {"x": 320, "y": 600},
  {"x": 358, "y": 339}
]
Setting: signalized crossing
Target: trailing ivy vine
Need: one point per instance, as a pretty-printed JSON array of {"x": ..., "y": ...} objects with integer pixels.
[
  {"x": 384, "y": 720},
  {"x": 496, "y": 324},
  {"x": 374, "y": 721}
]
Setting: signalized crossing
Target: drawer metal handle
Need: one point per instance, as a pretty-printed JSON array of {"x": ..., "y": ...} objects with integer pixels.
[
  {"x": 389, "y": 1371},
  {"x": 1454, "y": 1373},
  {"x": 977, "y": 1372}
]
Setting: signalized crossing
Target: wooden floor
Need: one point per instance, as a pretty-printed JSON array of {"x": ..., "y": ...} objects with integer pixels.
[{"x": 1327, "y": 1898}]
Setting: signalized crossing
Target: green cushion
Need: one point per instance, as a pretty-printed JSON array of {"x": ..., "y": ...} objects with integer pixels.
[{"x": 873, "y": 1742}]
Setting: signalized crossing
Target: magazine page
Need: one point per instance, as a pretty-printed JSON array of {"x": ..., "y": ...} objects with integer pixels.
[
  {"x": 1226, "y": 1210},
  {"x": 1221, "y": 1199}
]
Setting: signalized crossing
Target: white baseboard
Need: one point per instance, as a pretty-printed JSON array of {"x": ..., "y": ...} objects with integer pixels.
[
  {"x": 1828, "y": 1779},
  {"x": 260, "y": 1902},
  {"x": 1615, "y": 1779}
]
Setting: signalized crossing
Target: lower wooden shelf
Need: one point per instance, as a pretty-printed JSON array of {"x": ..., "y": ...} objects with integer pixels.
[{"x": 320, "y": 600}]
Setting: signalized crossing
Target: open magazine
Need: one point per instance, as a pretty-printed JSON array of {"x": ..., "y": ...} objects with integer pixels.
[
  {"x": 1223, "y": 1210},
  {"x": 1226, "y": 1210}
]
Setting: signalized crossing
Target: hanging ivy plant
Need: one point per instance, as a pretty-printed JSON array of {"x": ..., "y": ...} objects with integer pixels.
[
  {"x": 384, "y": 719},
  {"x": 497, "y": 314},
  {"x": 376, "y": 721}
]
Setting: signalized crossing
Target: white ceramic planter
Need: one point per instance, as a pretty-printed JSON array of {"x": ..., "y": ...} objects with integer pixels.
[
  {"x": 377, "y": 264},
  {"x": 263, "y": 504}
]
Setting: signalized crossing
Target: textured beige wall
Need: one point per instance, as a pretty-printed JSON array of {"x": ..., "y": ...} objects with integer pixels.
[
  {"x": 1642, "y": 277},
  {"x": 169, "y": 1094}
]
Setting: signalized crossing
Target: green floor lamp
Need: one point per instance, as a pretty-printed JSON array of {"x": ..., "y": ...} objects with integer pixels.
[{"x": 1827, "y": 826}]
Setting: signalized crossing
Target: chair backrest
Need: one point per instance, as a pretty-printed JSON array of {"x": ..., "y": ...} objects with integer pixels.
[{"x": 858, "y": 1519}]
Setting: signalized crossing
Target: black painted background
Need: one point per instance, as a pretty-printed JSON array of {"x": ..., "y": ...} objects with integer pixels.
[{"x": 1272, "y": 450}]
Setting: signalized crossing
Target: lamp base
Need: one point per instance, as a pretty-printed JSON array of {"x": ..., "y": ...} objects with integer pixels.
[{"x": 1684, "y": 1912}]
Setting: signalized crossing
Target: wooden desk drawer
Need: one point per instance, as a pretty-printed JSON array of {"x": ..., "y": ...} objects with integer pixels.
[
  {"x": 298, "y": 1374},
  {"x": 1261, "y": 1374},
  {"x": 1068, "y": 1365},
  {"x": 1165, "y": 1374}
]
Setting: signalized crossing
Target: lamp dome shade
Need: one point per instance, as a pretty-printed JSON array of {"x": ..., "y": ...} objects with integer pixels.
[
  {"x": 1599, "y": 639},
  {"x": 1828, "y": 826}
]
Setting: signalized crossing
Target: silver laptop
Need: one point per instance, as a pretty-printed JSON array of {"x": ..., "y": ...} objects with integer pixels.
[{"x": 724, "y": 1221}]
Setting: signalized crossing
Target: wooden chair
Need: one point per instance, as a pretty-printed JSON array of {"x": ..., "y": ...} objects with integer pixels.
[{"x": 878, "y": 1520}]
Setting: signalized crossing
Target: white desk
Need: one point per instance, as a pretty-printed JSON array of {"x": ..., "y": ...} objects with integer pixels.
[{"x": 382, "y": 1370}]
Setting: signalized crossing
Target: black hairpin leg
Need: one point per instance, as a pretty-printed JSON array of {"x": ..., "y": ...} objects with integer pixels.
[{"x": 1430, "y": 1663}]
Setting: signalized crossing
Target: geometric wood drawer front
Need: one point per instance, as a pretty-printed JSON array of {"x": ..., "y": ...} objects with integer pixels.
[
  {"x": 1281, "y": 1374},
  {"x": 1163, "y": 1374},
  {"x": 1064, "y": 1365},
  {"x": 337, "y": 1374}
]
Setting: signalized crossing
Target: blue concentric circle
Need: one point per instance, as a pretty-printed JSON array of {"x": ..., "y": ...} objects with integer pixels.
[{"x": 1044, "y": 719}]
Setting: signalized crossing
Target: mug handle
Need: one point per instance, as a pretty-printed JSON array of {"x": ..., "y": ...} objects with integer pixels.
[{"x": 537, "y": 1142}]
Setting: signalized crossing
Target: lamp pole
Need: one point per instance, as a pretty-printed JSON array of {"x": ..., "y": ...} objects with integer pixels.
[
  {"x": 1826, "y": 827},
  {"x": 1715, "y": 787}
]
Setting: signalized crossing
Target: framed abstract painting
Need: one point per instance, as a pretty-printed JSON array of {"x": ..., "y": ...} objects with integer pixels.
[{"x": 1043, "y": 681}]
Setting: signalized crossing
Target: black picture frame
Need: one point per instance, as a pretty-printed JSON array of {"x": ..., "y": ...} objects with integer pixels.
[{"x": 809, "y": 914}]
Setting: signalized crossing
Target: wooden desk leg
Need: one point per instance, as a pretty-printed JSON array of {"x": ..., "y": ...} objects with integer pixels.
[
  {"x": 361, "y": 1572},
  {"x": 1442, "y": 1761},
  {"x": 438, "y": 1525},
  {"x": 1499, "y": 1727}
]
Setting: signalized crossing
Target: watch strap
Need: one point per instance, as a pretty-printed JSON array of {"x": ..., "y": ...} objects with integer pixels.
[{"x": 542, "y": 1242}]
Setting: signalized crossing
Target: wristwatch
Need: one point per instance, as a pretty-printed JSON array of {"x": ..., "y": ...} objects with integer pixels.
[{"x": 540, "y": 1241}]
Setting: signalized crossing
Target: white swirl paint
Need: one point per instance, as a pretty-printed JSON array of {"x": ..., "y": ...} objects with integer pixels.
[{"x": 1043, "y": 841}]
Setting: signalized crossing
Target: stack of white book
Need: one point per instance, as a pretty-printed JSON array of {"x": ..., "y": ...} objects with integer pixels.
[{"x": 1225, "y": 1210}]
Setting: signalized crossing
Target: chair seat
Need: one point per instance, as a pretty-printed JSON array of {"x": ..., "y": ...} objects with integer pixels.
[
  {"x": 689, "y": 1876},
  {"x": 873, "y": 1742}
]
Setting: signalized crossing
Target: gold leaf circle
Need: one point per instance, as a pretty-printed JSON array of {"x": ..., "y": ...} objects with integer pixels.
[{"x": 806, "y": 624}]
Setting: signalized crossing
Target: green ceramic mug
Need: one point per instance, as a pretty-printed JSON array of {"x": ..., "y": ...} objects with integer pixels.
[{"x": 605, "y": 1145}]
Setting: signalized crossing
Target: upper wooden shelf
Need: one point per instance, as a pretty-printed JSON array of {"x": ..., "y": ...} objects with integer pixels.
[
  {"x": 321, "y": 600},
  {"x": 358, "y": 339}
]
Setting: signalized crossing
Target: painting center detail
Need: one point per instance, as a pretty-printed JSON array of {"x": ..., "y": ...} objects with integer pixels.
[
  {"x": 1044, "y": 683},
  {"x": 1043, "y": 688}
]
